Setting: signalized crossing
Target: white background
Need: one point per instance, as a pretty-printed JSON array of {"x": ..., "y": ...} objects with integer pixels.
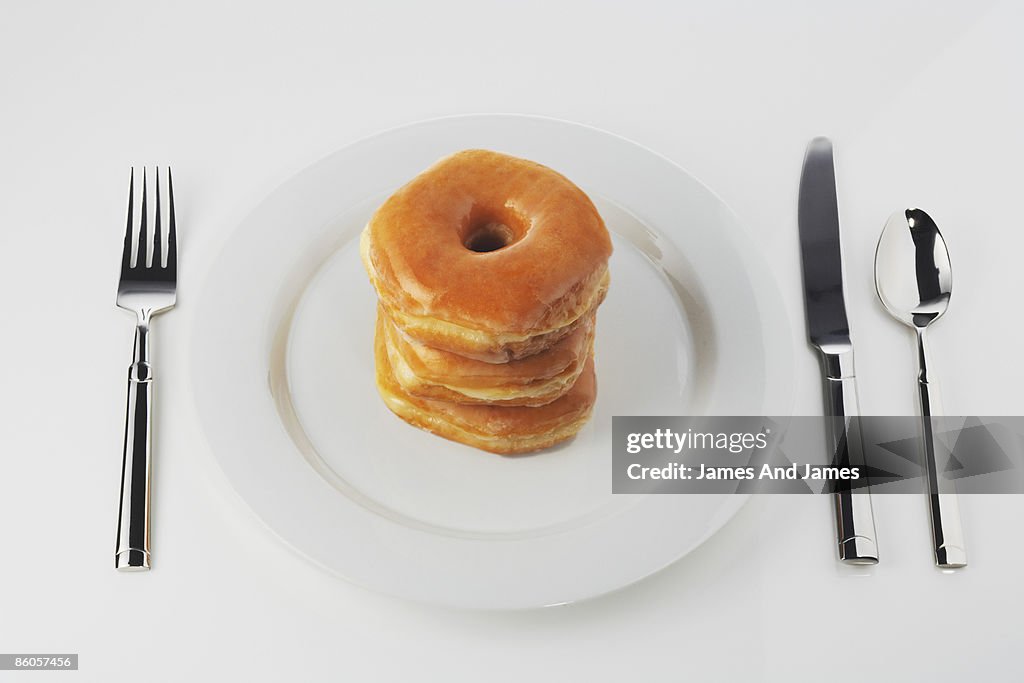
[{"x": 923, "y": 101}]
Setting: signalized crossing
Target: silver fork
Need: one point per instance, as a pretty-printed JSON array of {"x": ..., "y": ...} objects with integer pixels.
[{"x": 147, "y": 287}]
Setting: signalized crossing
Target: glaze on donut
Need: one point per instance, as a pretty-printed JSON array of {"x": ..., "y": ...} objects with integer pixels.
[{"x": 488, "y": 256}]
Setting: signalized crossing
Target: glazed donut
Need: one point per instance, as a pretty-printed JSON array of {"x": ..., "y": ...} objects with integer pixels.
[
  {"x": 498, "y": 429},
  {"x": 539, "y": 379},
  {"x": 488, "y": 256}
]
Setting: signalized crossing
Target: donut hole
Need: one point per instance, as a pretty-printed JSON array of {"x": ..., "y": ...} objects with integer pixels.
[
  {"x": 489, "y": 237},
  {"x": 487, "y": 228}
]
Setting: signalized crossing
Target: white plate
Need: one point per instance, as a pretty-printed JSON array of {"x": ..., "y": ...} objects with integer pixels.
[{"x": 283, "y": 377}]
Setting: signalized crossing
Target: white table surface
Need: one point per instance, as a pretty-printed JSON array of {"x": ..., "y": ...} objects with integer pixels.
[{"x": 924, "y": 103}]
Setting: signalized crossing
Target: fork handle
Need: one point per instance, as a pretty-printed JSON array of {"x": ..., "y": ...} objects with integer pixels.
[{"x": 132, "y": 553}]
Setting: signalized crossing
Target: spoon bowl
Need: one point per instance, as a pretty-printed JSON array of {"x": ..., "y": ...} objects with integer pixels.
[{"x": 913, "y": 275}]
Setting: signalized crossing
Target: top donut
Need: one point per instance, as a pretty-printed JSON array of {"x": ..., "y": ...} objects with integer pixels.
[{"x": 488, "y": 255}]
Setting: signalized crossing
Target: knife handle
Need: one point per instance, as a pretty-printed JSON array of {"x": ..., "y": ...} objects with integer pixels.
[{"x": 855, "y": 519}]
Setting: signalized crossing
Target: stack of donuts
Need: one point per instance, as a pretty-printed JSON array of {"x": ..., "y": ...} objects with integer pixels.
[{"x": 489, "y": 270}]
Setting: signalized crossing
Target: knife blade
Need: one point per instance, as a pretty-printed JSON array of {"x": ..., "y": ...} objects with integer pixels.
[
  {"x": 821, "y": 253},
  {"x": 829, "y": 331}
]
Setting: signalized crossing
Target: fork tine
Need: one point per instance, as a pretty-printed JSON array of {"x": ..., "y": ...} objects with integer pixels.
[
  {"x": 158, "y": 261},
  {"x": 126, "y": 255},
  {"x": 172, "y": 238},
  {"x": 140, "y": 252}
]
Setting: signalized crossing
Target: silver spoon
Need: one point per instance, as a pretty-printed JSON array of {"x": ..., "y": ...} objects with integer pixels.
[{"x": 914, "y": 279}]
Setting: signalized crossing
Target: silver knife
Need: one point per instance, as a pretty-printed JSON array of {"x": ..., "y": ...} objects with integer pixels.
[{"x": 829, "y": 331}]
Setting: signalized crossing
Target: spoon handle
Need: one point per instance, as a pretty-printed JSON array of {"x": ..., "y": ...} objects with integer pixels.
[
  {"x": 943, "y": 503},
  {"x": 855, "y": 518}
]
